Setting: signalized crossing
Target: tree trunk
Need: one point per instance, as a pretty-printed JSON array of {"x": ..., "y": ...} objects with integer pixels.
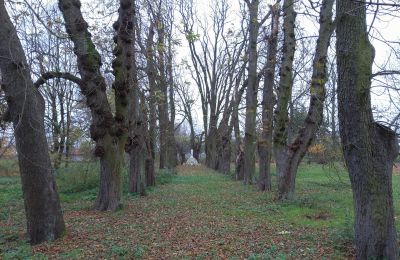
[
  {"x": 111, "y": 163},
  {"x": 284, "y": 92},
  {"x": 224, "y": 144},
  {"x": 109, "y": 132},
  {"x": 239, "y": 171},
  {"x": 251, "y": 96},
  {"x": 172, "y": 151},
  {"x": 289, "y": 156},
  {"x": 167, "y": 141},
  {"x": 26, "y": 111},
  {"x": 265, "y": 142},
  {"x": 68, "y": 142},
  {"x": 211, "y": 145},
  {"x": 224, "y": 154},
  {"x": 369, "y": 148},
  {"x": 197, "y": 146},
  {"x": 150, "y": 177}
]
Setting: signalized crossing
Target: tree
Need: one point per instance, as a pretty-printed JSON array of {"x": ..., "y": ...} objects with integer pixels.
[
  {"x": 109, "y": 132},
  {"x": 265, "y": 141},
  {"x": 150, "y": 70},
  {"x": 136, "y": 145},
  {"x": 251, "y": 94},
  {"x": 213, "y": 64},
  {"x": 168, "y": 152},
  {"x": 369, "y": 148},
  {"x": 288, "y": 154},
  {"x": 26, "y": 112}
]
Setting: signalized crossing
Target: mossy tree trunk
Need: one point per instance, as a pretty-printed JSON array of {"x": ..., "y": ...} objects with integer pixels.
[
  {"x": 284, "y": 87},
  {"x": 369, "y": 148},
  {"x": 26, "y": 109},
  {"x": 109, "y": 132},
  {"x": 265, "y": 141},
  {"x": 289, "y": 155},
  {"x": 250, "y": 137}
]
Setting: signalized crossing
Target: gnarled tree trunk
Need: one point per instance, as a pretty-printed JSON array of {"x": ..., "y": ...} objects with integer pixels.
[
  {"x": 109, "y": 132},
  {"x": 369, "y": 148},
  {"x": 26, "y": 111}
]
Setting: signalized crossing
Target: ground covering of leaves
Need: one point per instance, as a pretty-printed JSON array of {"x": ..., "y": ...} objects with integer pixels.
[{"x": 200, "y": 214}]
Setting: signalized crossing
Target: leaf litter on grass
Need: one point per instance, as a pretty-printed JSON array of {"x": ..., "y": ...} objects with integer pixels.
[{"x": 199, "y": 214}]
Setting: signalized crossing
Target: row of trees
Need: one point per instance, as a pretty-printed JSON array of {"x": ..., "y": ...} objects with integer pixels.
[{"x": 134, "y": 110}]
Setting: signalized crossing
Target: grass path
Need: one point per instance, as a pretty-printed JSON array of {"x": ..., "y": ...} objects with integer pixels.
[{"x": 200, "y": 214}]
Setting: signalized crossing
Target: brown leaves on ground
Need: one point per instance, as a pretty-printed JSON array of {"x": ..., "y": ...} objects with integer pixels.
[{"x": 201, "y": 214}]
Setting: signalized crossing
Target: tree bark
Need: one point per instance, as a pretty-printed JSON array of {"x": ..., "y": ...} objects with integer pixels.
[
  {"x": 239, "y": 169},
  {"x": 26, "y": 109},
  {"x": 265, "y": 142},
  {"x": 224, "y": 144},
  {"x": 172, "y": 151},
  {"x": 211, "y": 144},
  {"x": 284, "y": 89},
  {"x": 109, "y": 133},
  {"x": 369, "y": 148},
  {"x": 290, "y": 155},
  {"x": 251, "y": 95}
]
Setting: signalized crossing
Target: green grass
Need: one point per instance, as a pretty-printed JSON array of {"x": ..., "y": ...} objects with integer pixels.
[
  {"x": 196, "y": 213},
  {"x": 9, "y": 167}
]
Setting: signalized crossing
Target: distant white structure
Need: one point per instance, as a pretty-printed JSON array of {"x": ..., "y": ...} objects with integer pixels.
[{"x": 191, "y": 161}]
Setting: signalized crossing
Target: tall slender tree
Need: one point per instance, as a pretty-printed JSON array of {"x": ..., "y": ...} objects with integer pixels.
[
  {"x": 265, "y": 142},
  {"x": 251, "y": 94}
]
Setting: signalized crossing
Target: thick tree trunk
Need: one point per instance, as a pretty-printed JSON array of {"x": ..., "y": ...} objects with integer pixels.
[
  {"x": 224, "y": 144},
  {"x": 224, "y": 154},
  {"x": 289, "y": 156},
  {"x": 198, "y": 141},
  {"x": 111, "y": 163},
  {"x": 26, "y": 111},
  {"x": 250, "y": 137},
  {"x": 265, "y": 142},
  {"x": 211, "y": 145},
  {"x": 150, "y": 172},
  {"x": 369, "y": 148},
  {"x": 136, "y": 147}
]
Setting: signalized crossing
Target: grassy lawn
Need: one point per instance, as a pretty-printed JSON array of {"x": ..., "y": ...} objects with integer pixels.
[{"x": 196, "y": 214}]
